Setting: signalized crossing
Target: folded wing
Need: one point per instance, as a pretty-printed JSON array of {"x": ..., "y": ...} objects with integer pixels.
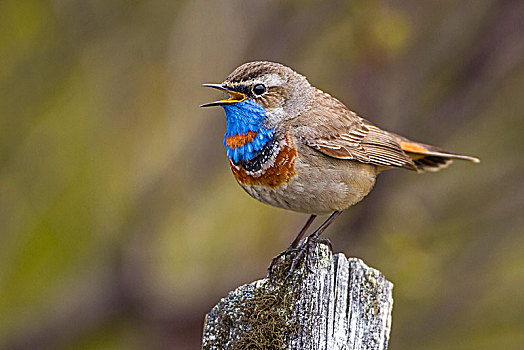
[{"x": 344, "y": 135}]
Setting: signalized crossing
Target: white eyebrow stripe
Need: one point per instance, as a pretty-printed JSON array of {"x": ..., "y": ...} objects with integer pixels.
[
  {"x": 269, "y": 80},
  {"x": 273, "y": 80}
]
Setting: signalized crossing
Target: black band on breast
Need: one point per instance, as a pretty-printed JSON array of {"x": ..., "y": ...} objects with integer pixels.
[{"x": 260, "y": 157}]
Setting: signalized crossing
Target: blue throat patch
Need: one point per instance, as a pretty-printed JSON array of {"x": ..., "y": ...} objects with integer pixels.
[{"x": 241, "y": 118}]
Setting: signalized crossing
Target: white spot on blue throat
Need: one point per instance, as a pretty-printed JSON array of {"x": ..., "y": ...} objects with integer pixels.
[{"x": 241, "y": 118}]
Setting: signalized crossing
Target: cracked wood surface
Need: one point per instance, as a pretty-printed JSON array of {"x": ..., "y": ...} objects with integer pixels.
[{"x": 332, "y": 303}]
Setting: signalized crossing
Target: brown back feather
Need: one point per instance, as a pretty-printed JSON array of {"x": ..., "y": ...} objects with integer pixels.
[{"x": 340, "y": 133}]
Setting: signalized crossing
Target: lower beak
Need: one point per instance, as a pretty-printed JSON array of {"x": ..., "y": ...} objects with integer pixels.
[{"x": 235, "y": 96}]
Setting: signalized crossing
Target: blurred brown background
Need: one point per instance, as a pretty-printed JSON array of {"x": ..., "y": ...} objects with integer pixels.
[{"x": 121, "y": 224}]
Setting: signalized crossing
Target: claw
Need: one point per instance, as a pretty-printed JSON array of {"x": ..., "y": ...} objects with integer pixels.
[
  {"x": 302, "y": 248},
  {"x": 270, "y": 269},
  {"x": 300, "y": 252},
  {"x": 294, "y": 262}
]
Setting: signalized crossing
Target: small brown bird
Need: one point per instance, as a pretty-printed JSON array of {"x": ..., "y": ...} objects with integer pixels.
[{"x": 294, "y": 146}]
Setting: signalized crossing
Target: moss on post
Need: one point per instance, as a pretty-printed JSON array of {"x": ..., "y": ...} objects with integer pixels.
[{"x": 330, "y": 302}]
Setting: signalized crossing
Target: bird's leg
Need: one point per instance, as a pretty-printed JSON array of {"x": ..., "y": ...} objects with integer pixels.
[
  {"x": 313, "y": 238},
  {"x": 293, "y": 246},
  {"x": 297, "y": 239}
]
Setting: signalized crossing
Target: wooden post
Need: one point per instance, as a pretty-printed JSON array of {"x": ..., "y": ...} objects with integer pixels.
[{"x": 329, "y": 302}]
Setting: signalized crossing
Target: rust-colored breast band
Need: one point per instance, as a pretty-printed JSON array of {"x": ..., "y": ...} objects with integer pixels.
[
  {"x": 280, "y": 173},
  {"x": 240, "y": 140}
]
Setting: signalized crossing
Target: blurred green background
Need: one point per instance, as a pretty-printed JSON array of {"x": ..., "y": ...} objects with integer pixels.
[{"x": 121, "y": 224}]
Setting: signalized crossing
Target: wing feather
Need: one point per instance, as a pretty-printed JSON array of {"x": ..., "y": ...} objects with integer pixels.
[
  {"x": 366, "y": 143},
  {"x": 331, "y": 128}
]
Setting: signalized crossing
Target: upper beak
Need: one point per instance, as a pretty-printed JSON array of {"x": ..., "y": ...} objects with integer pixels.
[{"x": 235, "y": 96}]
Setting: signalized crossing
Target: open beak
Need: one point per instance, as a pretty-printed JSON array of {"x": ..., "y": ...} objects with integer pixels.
[{"x": 235, "y": 96}]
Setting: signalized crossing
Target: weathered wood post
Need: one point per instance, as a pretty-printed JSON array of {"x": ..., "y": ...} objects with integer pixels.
[{"x": 330, "y": 302}]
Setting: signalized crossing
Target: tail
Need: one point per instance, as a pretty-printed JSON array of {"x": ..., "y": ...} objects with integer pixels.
[{"x": 430, "y": 158}]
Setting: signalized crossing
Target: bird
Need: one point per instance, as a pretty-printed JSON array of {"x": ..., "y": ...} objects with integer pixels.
[{"x": 293, "y": 146}]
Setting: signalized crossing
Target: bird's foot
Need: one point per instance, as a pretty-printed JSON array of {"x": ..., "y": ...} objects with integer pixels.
[
  {"x": 296, "y": 254},
  {"x": 271, "y": 269}
]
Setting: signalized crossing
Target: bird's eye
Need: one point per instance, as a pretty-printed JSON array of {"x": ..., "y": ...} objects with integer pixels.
[{"x": 259, "y": 89}]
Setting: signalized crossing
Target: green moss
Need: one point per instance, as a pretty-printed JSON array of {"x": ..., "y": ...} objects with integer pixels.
[{"x": 262, "y": 313}]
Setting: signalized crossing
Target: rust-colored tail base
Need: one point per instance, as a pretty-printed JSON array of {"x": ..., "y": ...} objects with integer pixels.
[{"x": 431, "y": 158}]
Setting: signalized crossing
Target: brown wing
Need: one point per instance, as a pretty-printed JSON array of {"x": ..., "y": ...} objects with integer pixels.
[
  {"x": 366, "y": 143},
  {"x": 370, "y": 144},
  {"x": 336, "y": 131}
]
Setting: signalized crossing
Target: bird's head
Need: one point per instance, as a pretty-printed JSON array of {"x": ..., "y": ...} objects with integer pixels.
[
  {"x": 262, "y": 96},
  {"x": 263, "y": 93}
]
